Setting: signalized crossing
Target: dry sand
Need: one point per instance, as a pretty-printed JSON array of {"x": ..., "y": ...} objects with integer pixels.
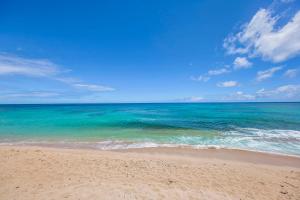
[{"x": 47, "y": 173}]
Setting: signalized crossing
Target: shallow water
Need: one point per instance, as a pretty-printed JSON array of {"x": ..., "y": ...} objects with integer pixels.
[{"x": 271, "y": 127}]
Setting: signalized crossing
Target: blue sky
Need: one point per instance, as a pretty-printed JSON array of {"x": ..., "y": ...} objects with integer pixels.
[{"x": 149, "y": 51}]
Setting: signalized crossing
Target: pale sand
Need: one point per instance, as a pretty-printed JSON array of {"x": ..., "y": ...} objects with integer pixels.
[{"x": 161, "y": 173}]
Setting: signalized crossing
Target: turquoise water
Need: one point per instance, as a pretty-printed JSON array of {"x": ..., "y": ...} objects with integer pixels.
[{"x": 271, "y": 127}]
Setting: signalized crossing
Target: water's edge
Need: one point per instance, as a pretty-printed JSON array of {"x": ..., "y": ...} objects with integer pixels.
[{"x": 123, "y": 145}]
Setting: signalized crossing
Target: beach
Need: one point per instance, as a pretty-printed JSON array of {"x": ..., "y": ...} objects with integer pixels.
[
  {"x": 150, "y": 100},
  {"x": 30, "y": 172}
]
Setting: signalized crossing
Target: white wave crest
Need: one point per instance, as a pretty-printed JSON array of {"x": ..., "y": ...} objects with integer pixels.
[{"x": 265, "y": 133}]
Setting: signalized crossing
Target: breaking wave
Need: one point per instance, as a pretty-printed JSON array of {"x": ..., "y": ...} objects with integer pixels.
[{"x": 274, "y": 141}]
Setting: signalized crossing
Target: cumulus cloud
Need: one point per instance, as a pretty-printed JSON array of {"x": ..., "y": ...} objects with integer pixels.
[
  {"x": 228, "y": 84},
  {"x": 241, "y": 63},
  {"x": 239, "y": 96},
  {"x": 217, "y": 72},
  {"x": 266, "y": 74},
  {"x": 214, "y": 72},
  {"x": 261, "y": 37},
  {"x": 242, "y": 96},
  {"x": 291, "y": 73},
  {"x": 284, "y": 91}
]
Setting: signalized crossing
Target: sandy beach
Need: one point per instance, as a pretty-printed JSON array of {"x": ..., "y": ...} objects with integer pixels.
[{"x": 155, "y": 173}]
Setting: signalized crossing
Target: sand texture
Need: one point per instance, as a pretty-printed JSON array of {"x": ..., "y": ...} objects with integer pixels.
[{"x": 50, "y": 173}]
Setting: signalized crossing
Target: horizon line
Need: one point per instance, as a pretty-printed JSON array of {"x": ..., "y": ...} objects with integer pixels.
[{"x": 78, "y": 103}]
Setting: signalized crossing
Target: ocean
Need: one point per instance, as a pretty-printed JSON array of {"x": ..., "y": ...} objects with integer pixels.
[{"x": 267, "y": 127}]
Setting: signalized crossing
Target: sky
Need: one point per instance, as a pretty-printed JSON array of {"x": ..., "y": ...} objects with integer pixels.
[{"x": 117, "y": 51}]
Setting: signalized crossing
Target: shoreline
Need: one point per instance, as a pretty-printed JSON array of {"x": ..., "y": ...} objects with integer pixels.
[
  {"x": 119, "y": 145},
  {"x": 30, "y": 172},
  {"x": 222, "y": 154}
]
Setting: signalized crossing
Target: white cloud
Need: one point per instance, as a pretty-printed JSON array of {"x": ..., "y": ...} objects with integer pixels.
[
  {"x": 12, "y": 65},
  {"x": 291, "y": 73},
  {"x": 217, "y": 71},
  {"x": 241, "y": 63},
  {"x": 77, "y": 83},
  {"x": 239, "y": 96},
  {"x": 285, "y": 91},
  {"x": 289, "y": 90},
  {"x": 263, "y": 75},
  {"x": 287, "y": 1},
  {"x": 260, "y": 37},
  {"x": 242, "y": 96},
  {"x": 30, "y": 94},
  {"x": 228, "y": 84},
  {"x": 202, "y": 78},
  {"x": 196, "y": 99},
  {"x": 93, "y": 87},
  {"x": 191, "y": 99}
]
